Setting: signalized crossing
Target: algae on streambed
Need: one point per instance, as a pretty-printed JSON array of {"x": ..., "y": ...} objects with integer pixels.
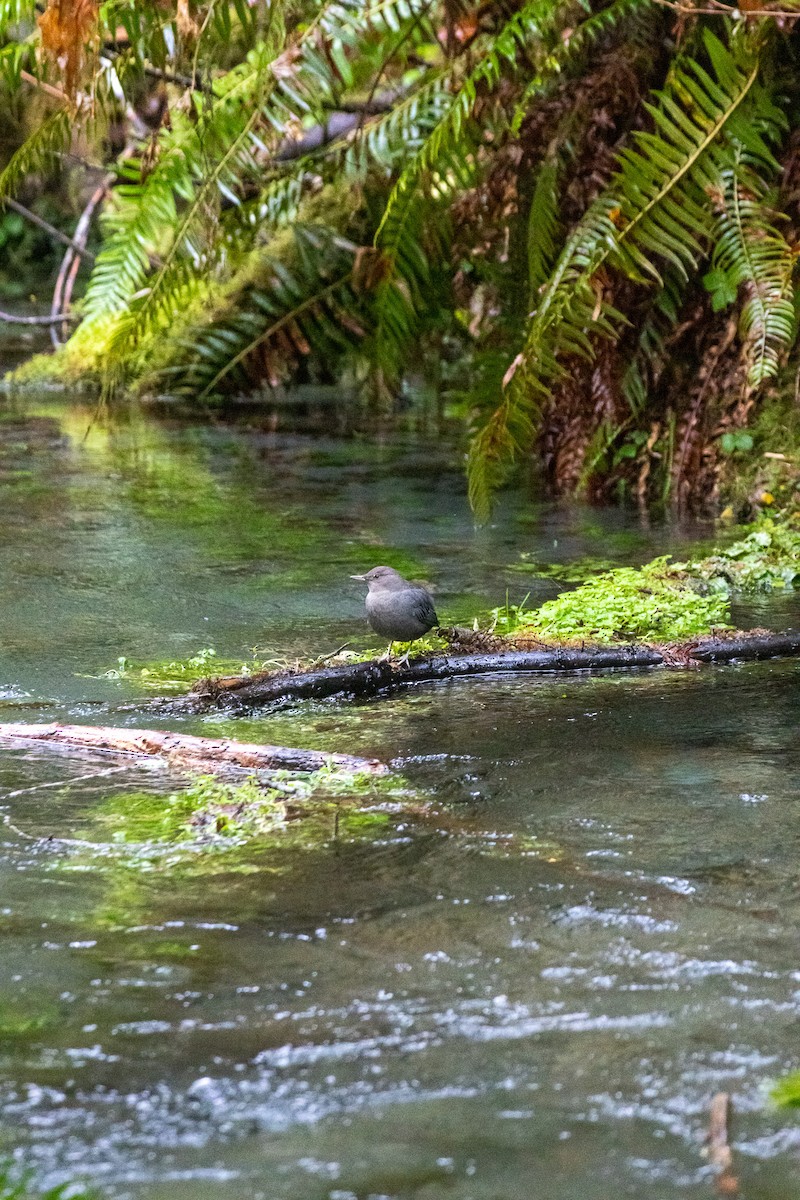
[{"x": 266, "y": 810}]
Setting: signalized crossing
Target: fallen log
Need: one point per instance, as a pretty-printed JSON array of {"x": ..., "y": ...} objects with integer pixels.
[
  {"x": 379, "y": 676},
  {"x": 181, "y": 748}
]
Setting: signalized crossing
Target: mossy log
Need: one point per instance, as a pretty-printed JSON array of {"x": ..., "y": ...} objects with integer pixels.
[
  {"x": 198, "y": 752},
  {"x": 379, "y": 676}
]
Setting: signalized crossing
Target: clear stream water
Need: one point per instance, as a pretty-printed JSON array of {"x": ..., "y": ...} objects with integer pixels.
[{"x": 530, "y": 985}]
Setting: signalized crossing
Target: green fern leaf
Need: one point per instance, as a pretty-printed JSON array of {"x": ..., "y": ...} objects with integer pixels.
[
  {"x": 753, "y": 259},
  {"x": 52, "y": 137},
  {"x": 655, "y": 214},
  {"x": 413, "y": 231},
  {"x": 308, "y": 303}
]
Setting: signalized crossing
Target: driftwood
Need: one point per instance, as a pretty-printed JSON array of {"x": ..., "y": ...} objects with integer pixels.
[
  {"x": 378, "y": 676},
  {"x": 210, "y": 753}
]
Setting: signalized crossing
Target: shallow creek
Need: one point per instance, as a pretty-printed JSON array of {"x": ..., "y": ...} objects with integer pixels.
[{"x": 531, "y": 985}]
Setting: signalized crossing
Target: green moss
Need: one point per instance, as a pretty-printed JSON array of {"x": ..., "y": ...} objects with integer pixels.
[
  {"x": 786, "y": 1092},
  {"x": 207, "y": 808},
  {"x": 178, "y": 674},
  {"x": 654, "y": 603},
  {"x": 664, "y": 601},
  {"x": 210, "y": 812}
]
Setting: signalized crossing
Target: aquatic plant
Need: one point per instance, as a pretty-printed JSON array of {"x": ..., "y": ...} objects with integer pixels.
[
  {"x": 180, "y": 673},
  {"x": 785, "y": 1092},
  {"x": 766, "y": 559},
  {"x": 661, "y": 601},
  {"x": 207, "y": 807},
  {"x": 16, "y": 1185},
  {"x": 260, "y": 810},
  {"x": 656, "y": 602}
]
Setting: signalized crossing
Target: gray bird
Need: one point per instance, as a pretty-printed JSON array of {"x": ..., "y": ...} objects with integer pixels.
[{"x": 397, "y": 609}]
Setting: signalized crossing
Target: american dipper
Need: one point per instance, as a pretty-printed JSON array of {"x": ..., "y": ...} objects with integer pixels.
[{"x": 397, "y": 609}]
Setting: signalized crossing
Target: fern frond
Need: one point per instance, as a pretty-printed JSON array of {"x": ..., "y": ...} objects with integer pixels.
[
  {"x": 171, "y": 269},
  {"x": 37, "y": 153},
  {"x": 543, "y": 225},
  {"x": 649, "y": 356},
  {"x": 445, "y": 164},
  {"x": 441, "y": 148},
  {"x": 623, "y": 17},
  {"x": 752, "y": 259},
  {"x": 388, "y": 139},
  {"x": 308, "y": 303},
  {"x": 491, "y": 449},
  {"x": 136, "y": 226},
  {"x": 198, "y": 161},
  {"x": 222, "y": 156},
  {"x": 656, "y": 210}
]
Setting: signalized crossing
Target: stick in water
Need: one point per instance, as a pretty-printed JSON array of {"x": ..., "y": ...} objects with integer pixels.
[{"x": 719, "y": 1150}]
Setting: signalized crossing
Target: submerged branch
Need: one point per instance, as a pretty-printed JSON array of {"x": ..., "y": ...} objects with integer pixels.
[
  {"x": 182, "y": 748},
  {"x": 378, "y": 676}
]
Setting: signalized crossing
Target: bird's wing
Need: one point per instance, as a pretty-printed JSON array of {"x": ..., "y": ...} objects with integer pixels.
[{"x": 423, "y": 609}]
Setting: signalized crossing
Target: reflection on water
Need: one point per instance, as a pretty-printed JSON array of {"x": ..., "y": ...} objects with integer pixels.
[{"x": 531, "y": 986}]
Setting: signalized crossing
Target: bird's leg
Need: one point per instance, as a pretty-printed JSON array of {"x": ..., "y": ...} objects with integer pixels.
[
  {"x": 387, "y": 656},
  {"x": 403, "y": 662}
]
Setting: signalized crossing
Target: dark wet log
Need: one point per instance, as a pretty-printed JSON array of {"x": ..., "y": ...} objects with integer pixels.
[
  {"x": 372, "y": 678},
  {"x": 182, "y": 748},
  {"x": 378, "y": 676},
  {"x": 748, "y": 646}
]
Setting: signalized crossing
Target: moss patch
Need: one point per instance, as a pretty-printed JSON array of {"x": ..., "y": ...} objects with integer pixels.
[
  {"x": 211, "y": 812},
  {"x": 765, "y": 473},
  {"x": 786, "y": 1092},
  {"x": 657, "y": 602},
  {"x": 664, "y": 601},
  {"x": 176, "y": 675}
]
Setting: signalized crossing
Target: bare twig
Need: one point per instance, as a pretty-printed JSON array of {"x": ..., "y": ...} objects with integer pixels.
[
  {"x": 196, "y": 85},
  {"x": 47, "y": 88},
  {"x": 56, "y": 234},
  {"x": 13, "y": 319},
  {"x": 333, "y": 653},
  {"x": 67, "y": 272}
]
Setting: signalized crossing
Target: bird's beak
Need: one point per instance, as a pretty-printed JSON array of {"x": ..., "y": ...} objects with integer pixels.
[{"x": 360, "y": 578}]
